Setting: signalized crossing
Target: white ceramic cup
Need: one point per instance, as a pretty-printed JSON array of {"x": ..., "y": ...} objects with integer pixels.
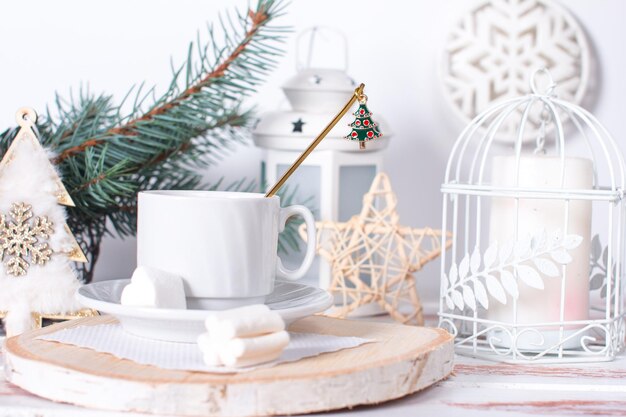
[{"x": 223, "y": 244}]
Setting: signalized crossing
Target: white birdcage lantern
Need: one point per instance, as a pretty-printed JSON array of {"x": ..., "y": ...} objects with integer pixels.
[
  {"x": 338, "y": 173},
  {"x": 526, "y": 278}
]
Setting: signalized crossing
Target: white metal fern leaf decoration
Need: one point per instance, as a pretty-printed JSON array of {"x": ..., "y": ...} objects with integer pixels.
[
  {"x": 498, "y": 271},
  {"x": 599, "y": 269}
]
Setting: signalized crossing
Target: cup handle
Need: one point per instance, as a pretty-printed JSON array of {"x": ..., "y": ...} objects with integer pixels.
[{"x": 285, "y": 214}]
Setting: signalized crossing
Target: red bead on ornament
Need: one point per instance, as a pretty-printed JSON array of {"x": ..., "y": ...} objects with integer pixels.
[
  {"x": 370, "y": 134},
  {"x": 361, "y": 111},
  {"x": 366, "y": 122},
  {"x": 354, "y": 134},
  {"x": 357, "y": 123}
]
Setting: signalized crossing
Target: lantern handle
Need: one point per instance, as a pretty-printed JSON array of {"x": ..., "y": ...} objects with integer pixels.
[
  {"x": 358, "y": 95},
  {"x": 315, "y": 31}
]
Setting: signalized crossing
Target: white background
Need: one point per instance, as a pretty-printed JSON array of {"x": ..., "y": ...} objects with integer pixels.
[{"x": 48, "y": 47}]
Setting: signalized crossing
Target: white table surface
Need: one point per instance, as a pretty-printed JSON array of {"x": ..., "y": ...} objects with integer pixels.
[{"x": 477, "y": 388}]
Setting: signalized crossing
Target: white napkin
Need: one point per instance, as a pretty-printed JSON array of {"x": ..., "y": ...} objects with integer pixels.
[{"x": 111, "y": 338}]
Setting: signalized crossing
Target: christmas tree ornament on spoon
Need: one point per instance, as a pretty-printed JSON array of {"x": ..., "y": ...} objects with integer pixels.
[
  {"x": 362, "y": 98},
  {"x": 364, "y": 128}
]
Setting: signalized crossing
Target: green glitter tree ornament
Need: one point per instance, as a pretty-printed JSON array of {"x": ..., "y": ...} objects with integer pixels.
[{"x": 364, "y": 128}]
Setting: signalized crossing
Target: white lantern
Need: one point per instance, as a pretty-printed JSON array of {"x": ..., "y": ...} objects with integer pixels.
[
  {"x": 337, "y": 173},
  {"x": 526, "y": 278}
]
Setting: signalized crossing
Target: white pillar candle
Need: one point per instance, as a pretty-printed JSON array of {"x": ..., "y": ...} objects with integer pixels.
[{"x": 532, "y": 216}]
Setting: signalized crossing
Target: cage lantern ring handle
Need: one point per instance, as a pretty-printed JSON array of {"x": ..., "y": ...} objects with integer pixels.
[
  {"x": 545, "y": 113},
  {"x": 551, "y": 84}
]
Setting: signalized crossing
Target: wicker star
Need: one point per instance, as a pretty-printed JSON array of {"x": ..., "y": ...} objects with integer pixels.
[{"x": 373, "y": 257}]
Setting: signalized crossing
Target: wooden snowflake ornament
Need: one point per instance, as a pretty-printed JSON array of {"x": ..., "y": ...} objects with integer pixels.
[
  {"x": 374, "y": 258},
  {"x": 496, "y": 44},
  {"x": 36, "y": 245}
]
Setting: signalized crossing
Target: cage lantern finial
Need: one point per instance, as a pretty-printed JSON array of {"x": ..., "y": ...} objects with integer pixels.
[
  {"x": 545, "y": 112},
  {"x": 550, "y": 91}
]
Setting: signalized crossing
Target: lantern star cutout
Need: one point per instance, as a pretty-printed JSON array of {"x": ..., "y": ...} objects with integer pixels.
[
  {"x": 316, "y": 79},
  {"x": 297, "y": 125},
  {"x": 373, "y": 257}
]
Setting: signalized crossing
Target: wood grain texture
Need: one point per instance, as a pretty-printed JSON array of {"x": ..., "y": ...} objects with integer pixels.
[
  {"x": 550, "y": 407},
  {"x": 477, "y": 389},
  {"x": 404, "y": 360}
]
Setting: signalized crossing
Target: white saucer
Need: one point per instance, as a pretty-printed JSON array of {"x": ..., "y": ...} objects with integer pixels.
[{"x": 291, "y": 300}]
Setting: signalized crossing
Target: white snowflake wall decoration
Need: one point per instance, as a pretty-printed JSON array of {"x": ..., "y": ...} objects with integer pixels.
[{"x": 493, "y": 48}]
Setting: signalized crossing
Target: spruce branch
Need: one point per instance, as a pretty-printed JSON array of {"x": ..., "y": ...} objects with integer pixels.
[
  {"x": 258, "y": 19},
  {"x": 106, "y": 152}
]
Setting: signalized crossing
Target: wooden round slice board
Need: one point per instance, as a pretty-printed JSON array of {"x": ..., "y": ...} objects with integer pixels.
[{"x": 403, "y": 360}]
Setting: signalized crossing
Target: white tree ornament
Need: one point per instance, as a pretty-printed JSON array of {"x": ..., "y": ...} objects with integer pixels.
[
  {"x": 36, "y": 245},
  {"x": 493, "y": 48}
]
